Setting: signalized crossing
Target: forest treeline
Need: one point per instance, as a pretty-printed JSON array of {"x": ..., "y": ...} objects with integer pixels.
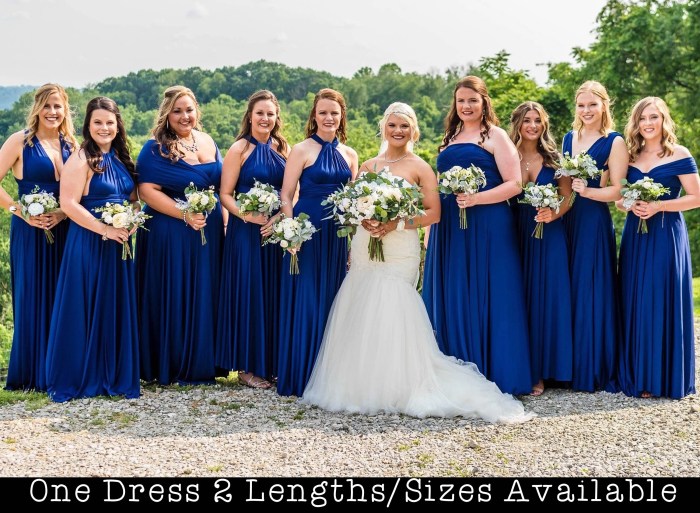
[{"x": 641, "y": 48}]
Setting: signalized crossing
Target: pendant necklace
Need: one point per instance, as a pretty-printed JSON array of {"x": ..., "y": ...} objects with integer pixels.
[{"x": 189, "y": 147}]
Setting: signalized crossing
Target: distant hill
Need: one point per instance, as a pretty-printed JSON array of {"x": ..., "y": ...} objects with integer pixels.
[{"x": 10, "y": 94}]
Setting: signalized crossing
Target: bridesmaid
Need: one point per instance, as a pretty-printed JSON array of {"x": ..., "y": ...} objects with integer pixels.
[
  {"x": 36, "y": 156},
  {"x": 178, "y": 277},
  {"x": 473, "y": 283},
  {"x": 319, "y": 165},
  {"x": 247, "y": 333},
  {"x": 657, "y": 356},
  {"x": 545, "y": 260},
  {"x": 592, "y": 241},
  {"x": 93, "y": 341}
]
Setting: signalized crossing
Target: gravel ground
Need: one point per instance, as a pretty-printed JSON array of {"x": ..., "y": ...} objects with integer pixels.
[{"x": 231, "y": 430}]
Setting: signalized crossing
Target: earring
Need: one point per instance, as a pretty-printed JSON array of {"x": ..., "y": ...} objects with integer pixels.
[{"x": 167, "y": 124}]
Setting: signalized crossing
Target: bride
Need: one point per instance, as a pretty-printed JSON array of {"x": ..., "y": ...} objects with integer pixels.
[{"x": 379, "y": 353}]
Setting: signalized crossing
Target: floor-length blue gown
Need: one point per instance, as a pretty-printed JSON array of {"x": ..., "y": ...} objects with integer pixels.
[
  {"x": 178, "y": 277},
  {"x": 594, "y": 299},
  {"x": 306, "y": 298},
  {"x": 473, "y": 282},
  {"x": 657, "y": 353},
  {"x": 547, "y": 290},
  {"x": 93, "y": 341},
  {"x": 34, "y": 268},
  {"x": 247, "y": 334}
]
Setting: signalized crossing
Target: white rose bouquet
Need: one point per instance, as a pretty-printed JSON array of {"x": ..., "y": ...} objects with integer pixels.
[
  {"x": 122, "y": 216},
  {"x": 380, "y": 197},
  {"x": 262, "y": 198},
  {"x": 198, "y": 202},
  {"x": 581, "y": 166},
  {"x": 36, "y": 203},
  {"x": 290, "y": 233},
  {"x": 644, "y": 189},
  {"x": 457, "y": 180},
  {"x": 541, "y": 196}
]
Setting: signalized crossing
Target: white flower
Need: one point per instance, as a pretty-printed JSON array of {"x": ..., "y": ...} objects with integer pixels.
[
  {"x": 28, "y": 198},
  {"x": 204, "y": 200},
  {"x": 120, "y": 220},
  {"x": 284, "y": 243},
  {"x": 107, "y": 217},
  {"x": 35, "y": 209}
]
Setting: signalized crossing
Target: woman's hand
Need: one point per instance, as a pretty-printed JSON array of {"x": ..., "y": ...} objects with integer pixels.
[
  {"x": 466, "y": 200},
  {"x": 645, "y": 210},
  {"x": 255, "y": 218},
  {"x": 195, "y": 221},
  {"x": 266, "y": 229},
  {"x": 544, "y": 215},
  {"x": 120, "y": 235},
  {"x": 52, "y": 219},
  {"x": 377, "y": 229},
  {"x": 579, "y": 187}
]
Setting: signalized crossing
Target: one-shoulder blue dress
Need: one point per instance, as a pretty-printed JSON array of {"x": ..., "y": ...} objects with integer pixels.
[
  {"x": 473, "y": 281},
  {"x": 178, "y": 277},
  {"x": 594, "y": 299},
  {"x": 657, "y": 353},
  {"x": 547, "y": 290},
  {"x": 34, "y": 268},
  {"x": 247, "y": 334},
  {"x": 306, "y": 298},
  {"x": 93, "y": 341}
]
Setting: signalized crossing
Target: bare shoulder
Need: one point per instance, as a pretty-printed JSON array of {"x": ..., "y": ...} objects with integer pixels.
[
  {"x": 238, "y": 147},
  {"x": 498, "y": 135},
  {"x": 371, "y": 165},
  {"x": 681, "y": 152},
  {"x": 15, "y": 141}
]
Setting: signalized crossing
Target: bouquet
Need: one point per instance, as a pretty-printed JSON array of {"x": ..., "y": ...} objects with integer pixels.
[
  {"x": 262, "y": 198},
  {"x": 458, "y": 180},
  {"x": 36, "y": 203},
  {"x": 541, "y": 196},
  {"x": 290, "y": 233},
  {"x": 380, "y": 197},
  {"x": 581, "y": 166},
  {"x": 644, "y": 189},
  {"x": 123, "y": 216},
  {"x": 198, "y": 202}
]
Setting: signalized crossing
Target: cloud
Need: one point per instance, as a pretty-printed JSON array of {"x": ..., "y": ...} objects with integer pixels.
[{"x": 198, "y": 11}]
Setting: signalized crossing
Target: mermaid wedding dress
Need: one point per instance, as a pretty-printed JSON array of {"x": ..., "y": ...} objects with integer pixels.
[{"x": 379, "y": 353}]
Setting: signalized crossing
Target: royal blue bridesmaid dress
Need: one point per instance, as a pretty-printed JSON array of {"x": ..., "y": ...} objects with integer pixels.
[
  {"x": 657, "y": 353},
  {"x": 34, "y": 268},
  {"x": 178, "y": 277},
  {"x": 306, "y": 298},
  {"x": 473, "y": 282},
  {"x": 247, "y": 333},
  {"x": 594, "y": 299},
  {"x": 93, "y": 341},
  {"x": 547, "y": 290}
]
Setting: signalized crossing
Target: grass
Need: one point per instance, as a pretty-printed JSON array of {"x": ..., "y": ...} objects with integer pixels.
[
  {"x": 33, "y": 400},
  {"x": 696, "y": 296}
]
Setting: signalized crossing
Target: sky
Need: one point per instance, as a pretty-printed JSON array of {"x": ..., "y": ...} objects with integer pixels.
[{"x": 81, "y": 42}]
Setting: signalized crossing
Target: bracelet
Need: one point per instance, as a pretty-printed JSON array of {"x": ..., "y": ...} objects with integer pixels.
[
  {"x": 104, "y": 235},
  {"x": 184, "y": 217}
]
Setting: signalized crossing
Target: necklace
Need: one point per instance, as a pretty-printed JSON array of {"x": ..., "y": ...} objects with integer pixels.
[
  {"x": 396, "y": 160},
  {"x": 189, "y": 147},
  {"x": 527, "y": 162}
]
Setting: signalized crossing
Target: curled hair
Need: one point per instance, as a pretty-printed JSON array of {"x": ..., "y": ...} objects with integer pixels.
[
  {"x": 597, "y": 89},
  {"x": 329, "y": 94},
  {"x": 545, "y": 145},
  {"x": 633, "y": 137},
  {"x": 120, "y": 144},
  {"x": 41, "y": 97},
  {"x": 276, "y": 132},
  {"x": 162, "y": 132},
  {"x": 452, "y": 122}
]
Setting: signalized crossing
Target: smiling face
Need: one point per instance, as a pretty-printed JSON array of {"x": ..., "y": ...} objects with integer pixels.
[
  {"x": 103, "y": 128},
  {"x": 183, "y": 116},
  {"x": 532, "y": 126},
  {"x": 263, "y": 119},
  {"x": 589, "y": 109},
  {"x": 398, "y": 131},
  {"x": 327, "y": 115},
  {"x": 651, "y": 123},
  {"x": 469, "y": 105},
  {"x": 52, "y": 113}
]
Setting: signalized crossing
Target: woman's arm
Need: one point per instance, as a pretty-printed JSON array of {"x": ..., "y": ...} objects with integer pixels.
[{"x": 618, "y": 161}]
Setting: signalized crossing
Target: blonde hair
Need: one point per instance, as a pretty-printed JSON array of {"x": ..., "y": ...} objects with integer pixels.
[
  {"x": 41, "y": 97},
  {"x": 545, "y": 145},
  {"x": 164, "y": 135},
  {"x": 596, "y": 88},
  {"x": 405, "y": 112},
  {"x": 633, "y": 137}
]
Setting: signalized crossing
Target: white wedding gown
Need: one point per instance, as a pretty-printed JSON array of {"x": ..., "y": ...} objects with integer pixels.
[{"x": 379, "y": 353}]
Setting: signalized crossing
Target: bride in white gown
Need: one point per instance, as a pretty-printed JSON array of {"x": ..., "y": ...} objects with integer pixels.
[{"x": 379, "y": 353}]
